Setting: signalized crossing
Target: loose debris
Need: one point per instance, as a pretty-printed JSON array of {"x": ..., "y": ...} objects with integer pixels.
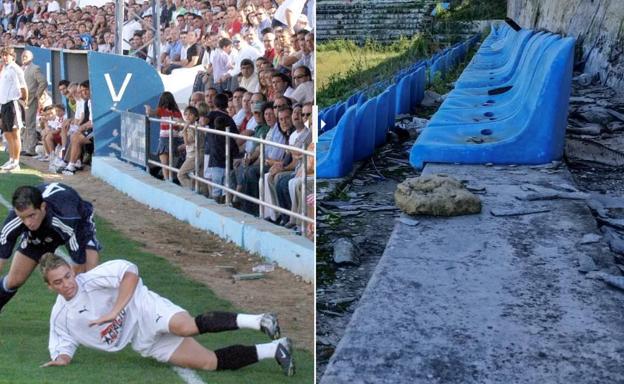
[
  {"x": 248, "y": 276},
  {"x": 517, "y": 211},
  {"x": 407, "y": 221},
  {"x": 590, "y": 238},
  {"x": 612, "y": 280},
  {"x": 345, "y": 252},
  {"x": 586, "y": 264}
]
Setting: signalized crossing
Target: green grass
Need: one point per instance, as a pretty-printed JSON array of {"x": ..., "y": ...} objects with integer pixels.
[
  {"x": 24, "y": 324},
  {"x": 332, "y": 64},
  {"x": 343, "y": 67}
]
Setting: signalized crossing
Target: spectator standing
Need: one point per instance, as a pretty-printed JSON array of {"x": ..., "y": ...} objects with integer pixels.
[
  {"x": 36, "y": 84},
  {"x": 191, "y": 117},
  {"x": 13, "y": 93},
  {"x": 221, "y": 64},
  {"x": 167, "y": 109},
  {"x": 215, "y": 146}
]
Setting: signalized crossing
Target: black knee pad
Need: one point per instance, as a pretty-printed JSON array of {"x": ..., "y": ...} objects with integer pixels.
[{"x": 216, "y": 322}]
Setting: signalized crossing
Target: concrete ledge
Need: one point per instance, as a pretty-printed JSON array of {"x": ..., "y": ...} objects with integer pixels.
[
  {"x": 484, "y": 299},
  {"x": 289, "y": 251}
]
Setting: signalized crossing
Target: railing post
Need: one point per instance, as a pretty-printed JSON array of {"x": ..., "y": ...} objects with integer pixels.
[
  {"x": 228, "y": 196},
  {"x": 170, "y": 157},
  {"x": 197, "y": 154},
  {"x": 261, "y": 180},
  {"x": 304, "y": 206}
]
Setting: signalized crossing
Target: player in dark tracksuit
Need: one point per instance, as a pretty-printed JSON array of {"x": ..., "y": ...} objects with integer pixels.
[{"x": 42, "y": 219}]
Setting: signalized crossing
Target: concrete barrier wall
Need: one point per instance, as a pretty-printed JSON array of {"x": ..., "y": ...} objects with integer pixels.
[
  {"x": 598, "y": 26},
  {"x": 292, "y": 252}
]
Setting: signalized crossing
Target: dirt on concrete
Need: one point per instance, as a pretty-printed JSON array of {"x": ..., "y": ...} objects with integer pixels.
[
  {"x": 202, "y": 256},
  {"x": 360, "y": 208}
]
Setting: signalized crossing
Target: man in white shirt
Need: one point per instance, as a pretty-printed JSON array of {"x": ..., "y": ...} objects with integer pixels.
[
  {"x": 108, "y": 308},
  {"x": 13, "y": 94},
  {"x": 248, "y": 79},
  {"x": 237, "y": 100},
  {"x": 304, "y": 86}
]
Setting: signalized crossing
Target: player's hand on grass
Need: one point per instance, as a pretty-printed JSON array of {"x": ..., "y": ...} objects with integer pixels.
[
  {"x": 61, "y": 360},
  {"x": 103, "y": 319}
]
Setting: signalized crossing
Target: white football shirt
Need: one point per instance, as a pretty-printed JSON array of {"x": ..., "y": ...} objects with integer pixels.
[{"x": 97, "y": 293}]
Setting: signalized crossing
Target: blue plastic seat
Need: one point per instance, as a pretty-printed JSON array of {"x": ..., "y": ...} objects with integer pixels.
[
  {"x": 478, "y": 97},
  {"x": 381, "y": 124},
  {"x": 403, "y": 96},
  {"x": 533, "y": 134},
  {"x": 364, "y": 140},
  {"x": 334, "y": 151}
]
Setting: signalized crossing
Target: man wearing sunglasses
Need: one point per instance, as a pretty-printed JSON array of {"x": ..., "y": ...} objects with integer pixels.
[{"x": 304, "y": 86}]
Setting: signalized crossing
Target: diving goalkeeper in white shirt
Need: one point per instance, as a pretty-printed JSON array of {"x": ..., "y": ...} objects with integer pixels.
[{"x": 108, "y": 308}]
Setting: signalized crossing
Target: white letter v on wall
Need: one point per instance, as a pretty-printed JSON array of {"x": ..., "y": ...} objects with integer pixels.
[{"x": 114, "y": 95}]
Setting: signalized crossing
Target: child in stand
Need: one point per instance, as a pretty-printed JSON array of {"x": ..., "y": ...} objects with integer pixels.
[
  {"x": 53, "y": 120},
  {"x": 167, "y": 109},
  {"x": 192, "y": 117}
]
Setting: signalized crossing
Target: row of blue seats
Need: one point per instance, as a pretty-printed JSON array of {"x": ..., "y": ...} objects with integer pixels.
[
  {"x": 354, "y": 128},
  {"x": 509, "y": 106}
]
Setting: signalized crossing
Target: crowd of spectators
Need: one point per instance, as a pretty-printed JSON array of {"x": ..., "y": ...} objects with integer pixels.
[{"x": 255, "y": 75}]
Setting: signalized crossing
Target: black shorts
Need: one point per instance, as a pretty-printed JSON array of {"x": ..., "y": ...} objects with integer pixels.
[
  {"x": 35, "y": 252},
  {"x": 12, "y": 115}
]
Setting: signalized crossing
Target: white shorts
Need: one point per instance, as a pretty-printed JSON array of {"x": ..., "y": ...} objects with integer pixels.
[{"x": 153, "y": 338}]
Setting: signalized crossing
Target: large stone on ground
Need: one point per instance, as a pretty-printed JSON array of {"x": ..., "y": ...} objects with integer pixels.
[{"x": 436, "y": 195}]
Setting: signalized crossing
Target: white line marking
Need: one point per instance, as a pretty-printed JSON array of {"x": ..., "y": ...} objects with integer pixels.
[
  {"x": 188, "y": 376},
  {"x": 4, "y": 202}
]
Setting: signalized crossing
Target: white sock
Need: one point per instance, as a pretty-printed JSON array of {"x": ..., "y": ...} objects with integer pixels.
[
  {"x": 266, "y": 351},
  {"x": 248, "y": 321}
]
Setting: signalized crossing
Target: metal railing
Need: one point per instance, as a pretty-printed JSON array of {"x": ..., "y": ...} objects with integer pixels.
[{"x": 229, "y": 192}]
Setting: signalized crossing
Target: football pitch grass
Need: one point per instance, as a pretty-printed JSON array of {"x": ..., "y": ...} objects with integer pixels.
[{"x": 24, "y": 323}]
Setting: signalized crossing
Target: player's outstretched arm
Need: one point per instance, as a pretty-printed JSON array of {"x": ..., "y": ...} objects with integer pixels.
[
  {"x": 61, "y": 360},
  {"x": 127, "y": 286}
]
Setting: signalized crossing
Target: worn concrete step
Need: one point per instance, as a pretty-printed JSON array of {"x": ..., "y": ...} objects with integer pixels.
[{"x": 485, "y": 299}]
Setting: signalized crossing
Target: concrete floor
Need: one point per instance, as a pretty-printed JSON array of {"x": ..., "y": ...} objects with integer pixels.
[{"x": 485, "y": 299}]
